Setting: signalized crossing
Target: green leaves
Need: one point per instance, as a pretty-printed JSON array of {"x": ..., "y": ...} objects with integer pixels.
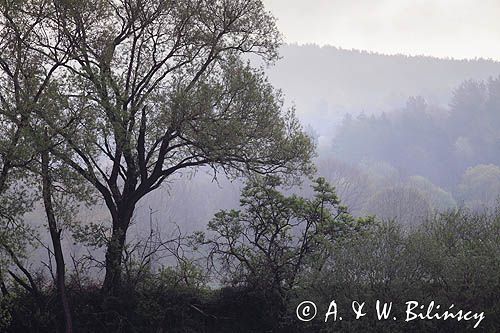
[
  {"x": 124, "y": 94},
  {"x": 275, "y": 238}
]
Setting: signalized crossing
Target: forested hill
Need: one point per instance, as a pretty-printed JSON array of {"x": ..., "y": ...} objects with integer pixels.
[
  {"x": 405, "y": 145},
  {"x": 327, "y": 82}
]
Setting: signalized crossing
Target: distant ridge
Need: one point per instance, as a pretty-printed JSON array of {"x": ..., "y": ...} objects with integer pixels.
[
  {"x": 326, "y": 82},
  {"x": 378, "y": 53}
]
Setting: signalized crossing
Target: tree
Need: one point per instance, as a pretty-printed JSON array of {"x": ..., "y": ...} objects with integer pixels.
[
  {"x": 28, "y": 90},
  {"x": 480, "y": 186},
  {"x": 403, "y": 204},
  {"x": 159, "y": 86},
  {"x": 274, "y": 240},
  {"x": 351, "y": 183},
  {"x": 439, "y": 199}
]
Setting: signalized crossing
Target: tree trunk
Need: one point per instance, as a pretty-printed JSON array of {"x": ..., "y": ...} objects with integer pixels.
[
  {"x": 55, "y": 235},
  {"x": 113, "y": 279}
]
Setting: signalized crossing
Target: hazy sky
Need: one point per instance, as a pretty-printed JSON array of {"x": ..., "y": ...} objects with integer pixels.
[{"x": 443, "y": 28}]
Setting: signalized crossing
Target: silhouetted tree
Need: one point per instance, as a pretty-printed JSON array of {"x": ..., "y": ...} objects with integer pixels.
[
  {"x": 159, "y": 86},
  {"x": 274, "y": 241}
]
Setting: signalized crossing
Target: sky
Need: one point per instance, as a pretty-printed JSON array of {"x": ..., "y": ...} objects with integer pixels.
[{"x": 442, "y": 28}]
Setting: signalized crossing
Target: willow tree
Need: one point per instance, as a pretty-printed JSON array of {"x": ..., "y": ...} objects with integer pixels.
[{"x": 161, "y": 86}]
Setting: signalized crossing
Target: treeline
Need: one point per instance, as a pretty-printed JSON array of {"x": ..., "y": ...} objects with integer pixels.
[
  {"x": 276, "y": 251},
  {"x": 453, "y": 150},
  {"x": 327, "y": 82}
]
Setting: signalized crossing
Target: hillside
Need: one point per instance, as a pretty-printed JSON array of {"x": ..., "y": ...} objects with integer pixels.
[{"x": 327, "y": 82}]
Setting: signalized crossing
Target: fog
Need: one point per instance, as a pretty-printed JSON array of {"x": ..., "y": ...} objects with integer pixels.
[
  {"x": 208, "y": 165},
  {"x": 461, "y": 29},
  {"x": 400, "y": 137},
  {"x": 421, "y": 127}
]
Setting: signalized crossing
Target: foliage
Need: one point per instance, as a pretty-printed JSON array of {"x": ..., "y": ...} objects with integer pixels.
[
  {"x": 142, "y": 90},
  {"x": 119, "y": 97},
  {"x": 452, "y": 258},
  {"x": 401, "y": 203},
  {"x": 423, "y": 140},
  {"x": 274, "y": 240},
  {"x": 439, "y": 199},
  {"x": 480, "y": 186}
]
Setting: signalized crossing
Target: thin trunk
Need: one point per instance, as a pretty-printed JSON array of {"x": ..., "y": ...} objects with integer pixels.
[
  {"x": 3, "y": 287},
  {"x": 55, "y": 235}
]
